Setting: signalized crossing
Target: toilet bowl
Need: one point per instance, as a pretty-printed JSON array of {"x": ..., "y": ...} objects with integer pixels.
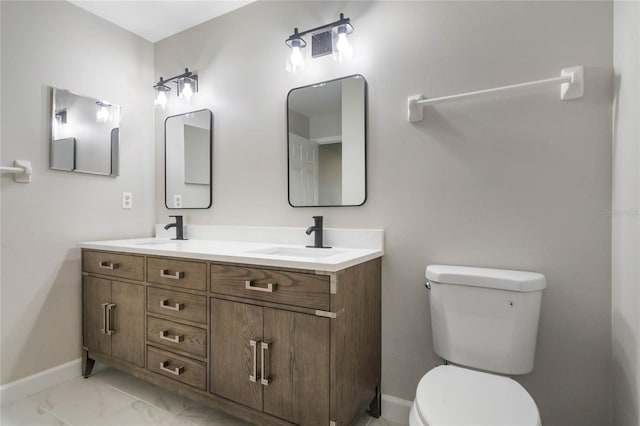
[{"x": 454, "y": 396}]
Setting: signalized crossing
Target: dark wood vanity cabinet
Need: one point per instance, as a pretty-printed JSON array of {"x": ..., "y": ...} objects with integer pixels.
[
  {"x": 113, "y": 304},
  {"x": 271, "y": 360},
  {"x": 273, "y": 346}
]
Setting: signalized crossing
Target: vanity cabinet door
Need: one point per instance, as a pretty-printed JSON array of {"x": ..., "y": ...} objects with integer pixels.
[
  {"x": 113, "y": 318},
  {"x": 95, "y": 292},
  {"x": 296, "y": 359},
  {"x": 127, "y": 322},
  {"x": 236, "y": 332}
]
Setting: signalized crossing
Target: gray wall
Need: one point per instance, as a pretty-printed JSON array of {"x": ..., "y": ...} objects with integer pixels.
[
  {"x": 518, "y": 181},
  {"x": 625, "y": 215},
  {"x": 57, "y": 44}
]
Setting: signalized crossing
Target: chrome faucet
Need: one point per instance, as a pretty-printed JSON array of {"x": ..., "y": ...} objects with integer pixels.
[
  {"x": 179, "y": 228},
  {"x": 317, "y": 228}
]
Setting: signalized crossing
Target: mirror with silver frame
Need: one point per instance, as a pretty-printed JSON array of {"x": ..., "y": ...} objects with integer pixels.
[
  {"x": 326, "y": 129},
  {"x": 188, "y": 160},
  {"x": 84, "y": 134}
]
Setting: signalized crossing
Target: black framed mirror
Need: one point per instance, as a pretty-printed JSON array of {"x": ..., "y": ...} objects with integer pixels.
[
  {"x": 188, "y": 160},
  {"x": 326, "y": 143}
]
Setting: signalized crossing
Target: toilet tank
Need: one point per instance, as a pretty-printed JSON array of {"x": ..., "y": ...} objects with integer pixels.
[{"x": 485, "y": 318}]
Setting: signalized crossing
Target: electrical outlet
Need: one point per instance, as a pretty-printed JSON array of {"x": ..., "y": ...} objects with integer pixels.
[
  {"x": 177, "y": 201},
  {"x": 127, "y": 200}
]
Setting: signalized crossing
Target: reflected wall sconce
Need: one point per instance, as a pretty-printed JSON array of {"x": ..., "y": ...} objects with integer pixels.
[
  {"x": 186, "y": 85},
  {"x": 104, "y": 112},
  {"x": 332, "y": 38},
  {"x": 61, "y": 117}
]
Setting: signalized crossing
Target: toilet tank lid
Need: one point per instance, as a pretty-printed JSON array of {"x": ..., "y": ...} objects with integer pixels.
[{"x": 502, "y": 279}]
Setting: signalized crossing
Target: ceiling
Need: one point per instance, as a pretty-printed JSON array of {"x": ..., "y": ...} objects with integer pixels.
[{"x": 154, "y": 20}]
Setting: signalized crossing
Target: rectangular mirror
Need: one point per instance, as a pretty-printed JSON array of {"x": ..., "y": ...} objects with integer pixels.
[
  {"x": 187, "y": 160},
  {"x": 84, "y": 134},
  {"x": 326, "y": 126}
]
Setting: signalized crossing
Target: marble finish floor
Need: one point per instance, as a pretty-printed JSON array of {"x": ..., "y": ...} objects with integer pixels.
[{"x": 111, "y": 397}]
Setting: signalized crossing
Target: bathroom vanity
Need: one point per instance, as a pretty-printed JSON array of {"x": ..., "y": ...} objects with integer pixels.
[{"x": 272, "y": 335}]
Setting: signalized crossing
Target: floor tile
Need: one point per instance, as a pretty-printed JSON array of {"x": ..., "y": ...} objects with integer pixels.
[
  {"x": 140, "y": 413},
  {"x": 27, "y": 412},
  {"x": 139, "y": 389},
  {"x": 202, "y": 415},
  {"x": 82, "y": 401}
]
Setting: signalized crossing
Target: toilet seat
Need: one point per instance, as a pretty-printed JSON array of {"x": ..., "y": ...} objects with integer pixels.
[{"x": 451, "y": 395}]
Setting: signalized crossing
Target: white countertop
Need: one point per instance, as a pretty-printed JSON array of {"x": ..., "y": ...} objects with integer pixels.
[{"x": 265, "y": 254}]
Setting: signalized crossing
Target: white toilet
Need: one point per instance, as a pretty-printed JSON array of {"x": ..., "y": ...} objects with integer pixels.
[{"x": 481, "y": 319}]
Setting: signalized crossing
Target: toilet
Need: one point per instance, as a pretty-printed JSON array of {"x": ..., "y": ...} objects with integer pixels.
[{"x": 484, "y": 324}]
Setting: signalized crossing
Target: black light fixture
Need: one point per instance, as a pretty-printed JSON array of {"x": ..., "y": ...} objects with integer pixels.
[
  {"x": 326, "y": 39},
  {"x": 187, "y": 85}
]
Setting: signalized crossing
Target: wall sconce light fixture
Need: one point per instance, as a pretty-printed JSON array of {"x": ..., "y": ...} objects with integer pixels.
[
  {"x": 326, "y": 39},
  {"x": 187, "y": 85}
]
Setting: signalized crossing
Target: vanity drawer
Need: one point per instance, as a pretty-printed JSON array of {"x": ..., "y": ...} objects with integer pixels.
[
  {"x": 177, "y": 367},
  {"x": 290, "y": 288},
  {"x": 113, "y": 264},
  {"x": 178, "y": 273},
  {"x": 178, "y": 336},
  {"x": 175, "y": 304}
]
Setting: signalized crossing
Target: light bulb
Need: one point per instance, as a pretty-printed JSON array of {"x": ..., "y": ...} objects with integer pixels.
[
  {"x": 161, "y": 99},
  {"x": 187, "y": 91},
  {"x": 295, "y": 60},
  {"x": 343, "y": 44},
  {"x": 296, "y": 57},
  {"x": 102, "y": 114}
]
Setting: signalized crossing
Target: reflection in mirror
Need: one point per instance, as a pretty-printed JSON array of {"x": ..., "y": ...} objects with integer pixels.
[
  {"x": 187, "y": 150},
  {"x": 327, "y": 143},
  {"x": 84, "y": 134}
]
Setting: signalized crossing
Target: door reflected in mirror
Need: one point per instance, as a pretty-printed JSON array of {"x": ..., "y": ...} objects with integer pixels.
[
  {"x": 84, "y": 134},
  {"x": 187, "y": 150},
  {"x": 326, "y": 124}
]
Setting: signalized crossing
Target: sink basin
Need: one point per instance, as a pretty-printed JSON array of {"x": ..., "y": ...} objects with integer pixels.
[
  {"x": 312, "y": 253},
  {"x": 154, "y": 243}
]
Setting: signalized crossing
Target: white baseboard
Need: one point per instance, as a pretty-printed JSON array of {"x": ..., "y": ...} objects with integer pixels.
[
  {"x": 14, "y": 391},
  {"x": 396, "y": 409}
]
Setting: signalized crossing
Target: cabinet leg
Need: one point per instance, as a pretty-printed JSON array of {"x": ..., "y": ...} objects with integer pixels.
[
  {"x": 87, "y": 363},
  {"x": 375, "y": 408}
]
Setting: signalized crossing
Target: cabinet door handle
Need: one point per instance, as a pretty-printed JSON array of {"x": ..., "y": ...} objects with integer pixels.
[
  {"x": 176, "y": 371},
  {"x": 264, "y": 346},
  {"x": 110, "y": 331},
  {"x": 164, "y": 335},
  {"x": 164, "y": 304},
  {"x": 254, "y": 347},
  {"x": 270, "y": 288},
  {"x": 164, "y": 273},
  {"x": 107, "y": 265},
  {"x": 104, "y": 328}
]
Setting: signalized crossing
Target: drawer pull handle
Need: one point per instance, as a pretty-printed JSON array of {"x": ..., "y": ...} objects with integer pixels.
[
  {"x": 164, "y": 335},
  {"x": 264, "y": 346},
  {"x": 107, "y": 265},
  {"x": 176, "y": 371},
  {"x": 164, "y": 304},
  {"x": 164, "y": 273},
  {"x": 254, "y": 347},
  {"x": 270, "y": 288}
]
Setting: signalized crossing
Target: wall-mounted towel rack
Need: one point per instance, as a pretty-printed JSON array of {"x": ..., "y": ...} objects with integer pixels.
[
  {"x": 571, "y": 87},
  {"x": 21, "y": 170}
]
